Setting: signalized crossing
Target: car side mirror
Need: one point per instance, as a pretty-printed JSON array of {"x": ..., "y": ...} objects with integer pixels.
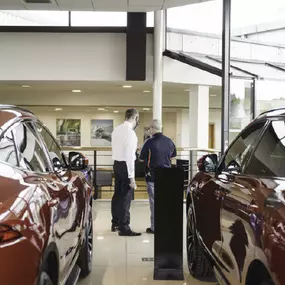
[
  {"x": 77, "y": 161},
  {"x": 208, "y": 163}
]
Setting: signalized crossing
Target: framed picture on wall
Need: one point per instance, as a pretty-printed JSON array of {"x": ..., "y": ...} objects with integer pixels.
[
  {"x": 101, "y": 132},
  {"x": 68, "y": 132}
]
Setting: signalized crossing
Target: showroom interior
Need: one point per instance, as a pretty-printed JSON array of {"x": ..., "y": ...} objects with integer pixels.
[{"x": 79, "y": 65}]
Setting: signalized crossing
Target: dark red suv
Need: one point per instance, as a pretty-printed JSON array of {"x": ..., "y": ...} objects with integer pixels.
[
  {"x": 236, "y": 208},
  {"x": 46, "y": 222}
]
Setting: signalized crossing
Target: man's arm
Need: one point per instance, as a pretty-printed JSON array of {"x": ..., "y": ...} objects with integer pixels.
[
  {"x": 174, "y": 151},
  {"x": 144, "y": 152},
  {"x": 131, "y": 147}
]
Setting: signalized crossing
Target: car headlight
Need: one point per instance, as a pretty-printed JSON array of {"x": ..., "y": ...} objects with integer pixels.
[{"x": 8, "y": 234}]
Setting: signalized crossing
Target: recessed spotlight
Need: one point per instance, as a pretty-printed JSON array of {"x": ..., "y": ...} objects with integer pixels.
[
  {"x": 26, "y": 86},
  {"x": 101, "y": 109},
  {"x": 127, "y": 86},
  {"x": 146, "y": 91},
  {"x": 58, "y": 109},
  {"x": 146, "y": 109},
  {"x": 116, "y": 111},
  {"x": 76, "y": 91}
]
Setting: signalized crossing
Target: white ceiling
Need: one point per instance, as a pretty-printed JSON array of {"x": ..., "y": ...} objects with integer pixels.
[{"x": 96, "y": 5}]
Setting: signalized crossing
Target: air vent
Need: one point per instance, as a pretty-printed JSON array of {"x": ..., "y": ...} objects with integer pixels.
[{"x": 37, "y": 1}]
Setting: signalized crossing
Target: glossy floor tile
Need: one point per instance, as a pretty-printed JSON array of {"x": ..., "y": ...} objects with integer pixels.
[{"x": 118, "y": 260}]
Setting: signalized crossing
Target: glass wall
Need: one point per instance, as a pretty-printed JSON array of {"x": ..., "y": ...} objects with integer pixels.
[
  {"x": 61, "y": 18},
  {"x": 269, "y": 95},
  {"x": 33, "y": 18},
  {"x": 240, "y": 106}
]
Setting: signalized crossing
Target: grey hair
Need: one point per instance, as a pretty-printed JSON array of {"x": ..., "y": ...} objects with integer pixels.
[{"x": 156, "y": 125}]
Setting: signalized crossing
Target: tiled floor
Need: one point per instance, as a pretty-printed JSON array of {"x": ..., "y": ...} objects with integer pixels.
[{"x": 118, "y": 260}]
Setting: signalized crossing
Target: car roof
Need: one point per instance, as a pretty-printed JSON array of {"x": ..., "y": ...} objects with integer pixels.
[
  {"x": 272, "y": 113},
  {"x": 9, "y": 114}
]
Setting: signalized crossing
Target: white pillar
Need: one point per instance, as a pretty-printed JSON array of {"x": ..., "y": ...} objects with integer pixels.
[
  {"x": 199, "y": 116},
  {"x": 159, "y": 31},
  {"x": 183, "y": 129}
]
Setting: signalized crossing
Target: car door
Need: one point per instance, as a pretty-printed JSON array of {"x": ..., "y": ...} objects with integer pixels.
[
  {"x": 72, "y": 182},
  {"x": 236, "y": 194},
  {"x": 37, "y": 165}
]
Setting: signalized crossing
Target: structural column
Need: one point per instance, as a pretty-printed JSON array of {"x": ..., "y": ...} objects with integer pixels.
[
  {"x": 159, "y": 31},
  {"x": 199, "y": 116},
  {"x": 226, "y": 58}
]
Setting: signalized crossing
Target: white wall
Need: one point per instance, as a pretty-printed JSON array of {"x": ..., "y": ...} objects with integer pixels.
[
  {"x": 277, "y": 36},
  {"x": 58, "y": 56},
  {"x": 175, "y": 125},
  {"x": 49, "y": 119}
]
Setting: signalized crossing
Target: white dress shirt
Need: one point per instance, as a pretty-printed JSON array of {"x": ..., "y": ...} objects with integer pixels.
[{"x": 124, "y": 146}]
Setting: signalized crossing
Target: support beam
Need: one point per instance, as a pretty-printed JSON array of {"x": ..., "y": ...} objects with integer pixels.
[
  {"x": 226, "y": 58},
  {"x": 253, "y": 99},
  {"x": 199, "y": 116},
  {"x": 159, "y": 31}
]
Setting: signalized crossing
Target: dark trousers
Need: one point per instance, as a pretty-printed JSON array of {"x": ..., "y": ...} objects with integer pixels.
[{"x": 121, "y": 201}]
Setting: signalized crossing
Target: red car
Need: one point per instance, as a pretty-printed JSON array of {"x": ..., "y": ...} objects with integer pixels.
[
  {"x": 236, "y": 208},
  {"x": 46, "y": 231}
]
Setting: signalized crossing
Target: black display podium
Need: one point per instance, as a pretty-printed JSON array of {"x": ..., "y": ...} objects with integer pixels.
[{"x": 168, "y": 240}]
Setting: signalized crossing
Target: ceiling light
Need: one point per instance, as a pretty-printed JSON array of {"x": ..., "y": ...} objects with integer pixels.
[
  {"x": 26, "y": 86},
  {"x": 100, "y": 238},
  {"x": 101, "y": 109},
  {"x": 146, "y": 241},
  {"x": 76, "y": 91},
  {"x": 146, "y": 109},
  {"x": 116, "y": 111},
  {"x": 127, "y": 86},
  {"x": 58, "y": 109},
  {"x": 213, "y": 95},
  {"x": 187, "y": 90},
  {"x": 146, "y": 91}
]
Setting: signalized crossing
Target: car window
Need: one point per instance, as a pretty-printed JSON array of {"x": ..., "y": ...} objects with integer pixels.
[
  {"x": 236, "y": 154},
  {"x": 52, "y": 147},
  {"x": 31, "y": 152},
  {"x": 7, "y": 149},
  {"x": 269, "y": 156}
]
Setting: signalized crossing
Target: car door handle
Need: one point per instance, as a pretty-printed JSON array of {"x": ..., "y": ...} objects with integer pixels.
[{"x": 53, "y": 202}]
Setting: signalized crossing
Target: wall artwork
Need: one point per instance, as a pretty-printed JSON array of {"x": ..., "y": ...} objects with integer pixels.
[
  {"x": 101, "y": 132},
  {"x": 68, "y": 132}
]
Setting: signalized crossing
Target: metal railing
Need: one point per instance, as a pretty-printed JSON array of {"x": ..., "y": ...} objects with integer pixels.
[{"x": 100, "y": 160}]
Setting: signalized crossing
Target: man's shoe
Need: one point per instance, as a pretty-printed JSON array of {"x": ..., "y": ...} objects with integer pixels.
[
  {"x": 129, "y": 234},
  {"x": 114, "y": 229},
  {"x": 149, "y": 231}
]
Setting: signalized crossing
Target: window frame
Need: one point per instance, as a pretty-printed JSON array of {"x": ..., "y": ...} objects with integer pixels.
[
  {"x": 45, "y": 146},
  {"x": 251, "y": 150},
  {"x": 269, "y": 122},
  {"x": 12, "y": 127}
]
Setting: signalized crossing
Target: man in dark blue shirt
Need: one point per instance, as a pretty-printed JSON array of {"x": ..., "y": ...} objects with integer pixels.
[{"x": 157, "y": 152}]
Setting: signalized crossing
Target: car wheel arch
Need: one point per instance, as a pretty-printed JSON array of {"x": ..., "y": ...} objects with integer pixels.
[
  {"x": 50, "y": 263},
  {"x": 257, "y": 272}
]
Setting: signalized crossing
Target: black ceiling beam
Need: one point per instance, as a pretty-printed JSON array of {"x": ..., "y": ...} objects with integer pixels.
[
  {"x": 193, "y": 62},
  {"x": 275, "y": 66}
]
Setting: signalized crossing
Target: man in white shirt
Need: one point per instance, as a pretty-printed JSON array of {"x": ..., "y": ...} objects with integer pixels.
[{"x": 124, "y": 146}]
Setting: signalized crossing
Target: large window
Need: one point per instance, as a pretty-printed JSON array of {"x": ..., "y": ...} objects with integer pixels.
[
  {"x": 240, "y": 106},
  {"x": 33, "y": 18},
  {"x": 269, "y": 157},
  {"x": 269, "y": 95},
  {"x": 99, "y": 19}
]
